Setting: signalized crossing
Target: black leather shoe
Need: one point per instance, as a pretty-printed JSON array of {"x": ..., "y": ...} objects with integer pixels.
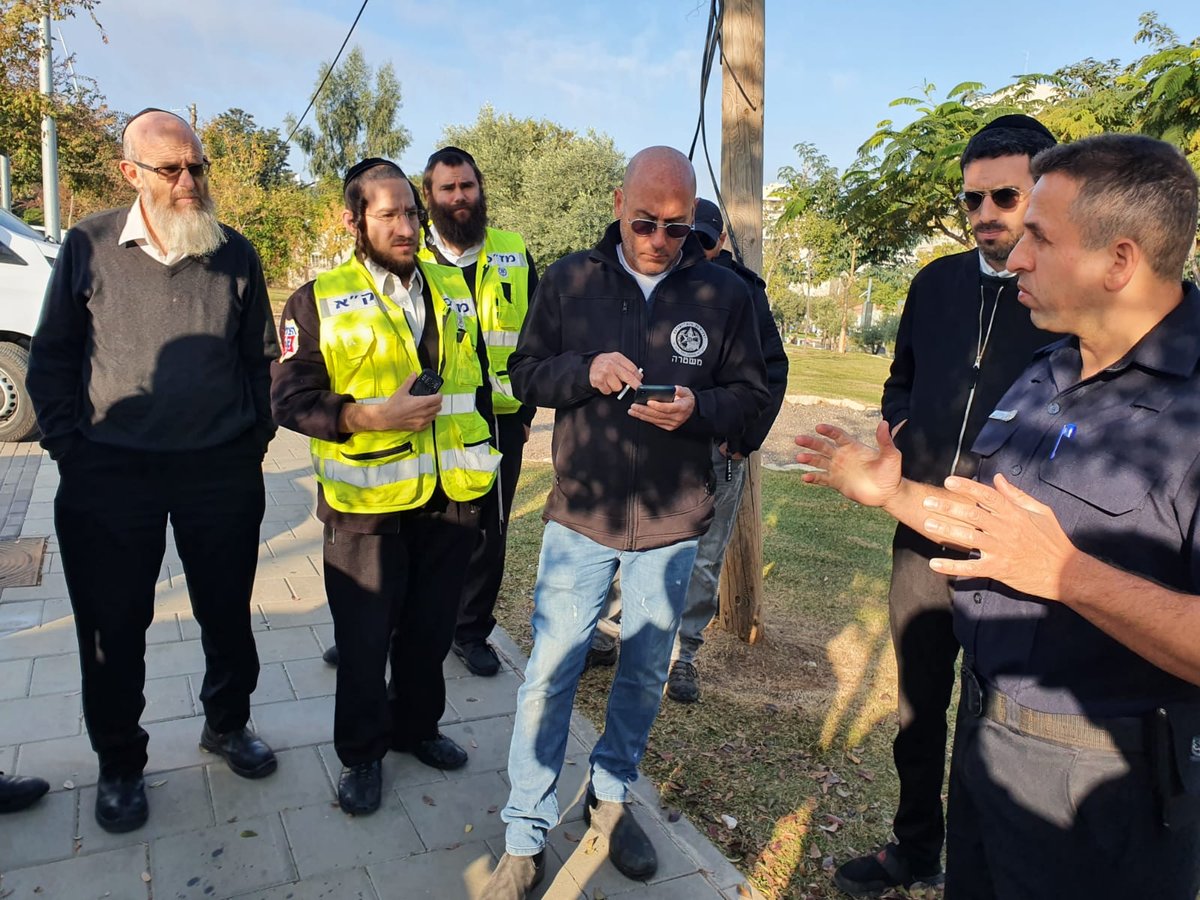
[
  {"x": 479, "y": 657},
  {"x": 439, "y": 752},
  {"x": 602, "y": 656},
  {"x": 121, "y": 803},
  {"x": 245, "y": 752},
  {"x": 867, "y": 876},
  {"x": 515, "y": 876},
  {"x": 17, "y": 792},
  {"x": 331, "y": 656},
  {"x": 628, "y": 846},
  {"x": 359, "y": 788}
]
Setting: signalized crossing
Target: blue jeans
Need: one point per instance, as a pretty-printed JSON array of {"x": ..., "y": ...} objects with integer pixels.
[{"x": 574, "y": 574}]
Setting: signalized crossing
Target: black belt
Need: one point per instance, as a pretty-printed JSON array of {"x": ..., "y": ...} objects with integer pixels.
[{"x": 1116, "y": 735}]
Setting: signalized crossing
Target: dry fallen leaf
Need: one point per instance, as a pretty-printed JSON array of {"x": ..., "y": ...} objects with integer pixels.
[
  {"x": 492, "y": 809},
  {"x": 69, "y": 785},
  {"x": 427, "y": 800},
  {"x": 570, "y": 837},
  {"x": 248, "y": 833},
  {"x": 814, "y": 852},
  {"x": 158, "y": 783},
  {"x": 469, "y": 828},
  {"x": 730, "y": 821},
  {"x": 744, "y": 891},
  {"x": 146, "y": 877}
]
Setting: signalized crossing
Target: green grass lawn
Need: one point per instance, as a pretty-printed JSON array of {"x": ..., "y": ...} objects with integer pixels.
[
  {"x": 793, "y": 735},
  {"x": 825, "y": 373}
]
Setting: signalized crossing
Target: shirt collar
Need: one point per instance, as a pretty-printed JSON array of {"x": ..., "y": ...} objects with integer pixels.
[
  {"x": 1173, "y": 345},
  {"x": 389, "y": 284},
  {"x": 462, "y": 260},
  {"x": 135, "y": 226},
  {"x": 986, "y": 269}
]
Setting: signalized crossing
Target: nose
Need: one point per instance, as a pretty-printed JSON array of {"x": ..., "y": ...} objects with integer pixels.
[
  {"x": 404, "y": 225},
  {"x": 1020, "y": 259},
  {"x": 186, "y": 181}
]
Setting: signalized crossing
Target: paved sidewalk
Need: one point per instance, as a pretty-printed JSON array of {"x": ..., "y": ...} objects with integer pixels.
[{"x": 213, "y": 835}]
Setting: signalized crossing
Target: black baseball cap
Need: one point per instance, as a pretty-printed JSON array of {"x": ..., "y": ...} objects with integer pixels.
[{"x": 708, "y": 223}]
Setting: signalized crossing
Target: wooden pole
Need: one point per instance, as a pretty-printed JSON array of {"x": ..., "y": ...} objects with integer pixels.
[{"x": 743, "y": 34}]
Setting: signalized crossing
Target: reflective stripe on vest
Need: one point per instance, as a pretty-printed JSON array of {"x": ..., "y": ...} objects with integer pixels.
[
  {"x": 456, "y": 404},
  {"x": 501, "y": 338},
  {"x": 374, "y": 476},
  {"x": 477, "y": 459}
]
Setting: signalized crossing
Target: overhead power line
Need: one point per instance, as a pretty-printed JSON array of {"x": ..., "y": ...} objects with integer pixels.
[{"x": 332, "y": 66}]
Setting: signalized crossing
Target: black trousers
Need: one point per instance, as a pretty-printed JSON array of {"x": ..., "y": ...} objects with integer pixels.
[
  {"x": 919, "y": 609},
  {"x": 110, "y": 514},
  {"x": 394, "y": 598},
  {"x": 1032, "y": 820},
  {"x": 476, "y": 617}
]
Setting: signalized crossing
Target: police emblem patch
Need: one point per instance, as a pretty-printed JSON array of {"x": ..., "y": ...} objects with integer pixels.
[
  {"x": 289, "y": 340},
  {"x": 689, "y": 340}
]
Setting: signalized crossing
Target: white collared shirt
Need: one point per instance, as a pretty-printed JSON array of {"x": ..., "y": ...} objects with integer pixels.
[
  {"x": 462, "y": 260},
  {"x": 411, "y": 299},
  {"x": 136, "y": 232},
  {"x": 646, "y": 282}
]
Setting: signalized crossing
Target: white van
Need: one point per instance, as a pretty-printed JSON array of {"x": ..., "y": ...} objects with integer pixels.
[{"x": 25, "y": 262}]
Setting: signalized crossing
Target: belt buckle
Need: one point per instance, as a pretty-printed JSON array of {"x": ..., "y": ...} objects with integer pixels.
[{"x": 972, "y": 692}]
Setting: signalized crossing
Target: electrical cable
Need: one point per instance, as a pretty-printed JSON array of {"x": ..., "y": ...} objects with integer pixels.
[{"x": 332, "y": 66}]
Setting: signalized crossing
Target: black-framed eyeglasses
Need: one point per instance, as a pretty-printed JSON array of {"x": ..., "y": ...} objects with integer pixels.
[
  {"x": 675, "y": 230},
  {"x": 391, "y": 217},
  {"x": 1006, "y": 198},
  {"x": 196, "y": 170}
]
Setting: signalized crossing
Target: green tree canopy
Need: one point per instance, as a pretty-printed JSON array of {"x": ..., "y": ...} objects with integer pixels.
[
  {"x": 549, "y": 183},
  {"x": 356, "y": 114}
]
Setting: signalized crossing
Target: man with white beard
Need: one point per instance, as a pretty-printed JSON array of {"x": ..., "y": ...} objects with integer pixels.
[{"x": 150, "y": 375}]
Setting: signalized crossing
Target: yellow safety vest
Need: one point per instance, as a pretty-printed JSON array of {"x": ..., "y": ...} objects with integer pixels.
[
  {"x": 502, "y": 297},
  {"x": 369, "y": 350}
]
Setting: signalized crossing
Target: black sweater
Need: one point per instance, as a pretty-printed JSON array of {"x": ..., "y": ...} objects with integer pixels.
[
  {"x": 620, "y": 481},
  {"x": 936, "y": 346},
  {"x": 136, "y": 354}
]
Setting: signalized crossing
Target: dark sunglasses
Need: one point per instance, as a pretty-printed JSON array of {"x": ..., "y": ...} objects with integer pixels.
[
  {"x": 676, "y": 230},
  {"x": 1005, "y": 198},
  {"x": 196, "y": 170}
]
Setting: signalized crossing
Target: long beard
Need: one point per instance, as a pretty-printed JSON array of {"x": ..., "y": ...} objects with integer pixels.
[
  {"x": 460, "y": 234},
  {"x": 401, "y": 268},
  {"x": 192, "y": 231}
]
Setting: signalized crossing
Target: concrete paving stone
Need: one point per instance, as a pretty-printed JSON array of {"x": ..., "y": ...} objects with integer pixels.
[
  {"x": 351, "y": 885},
  {"x": 40, "y": 718},
  {"x": 222, "y": 861},
  {"x": 271, "y": 589},
  {"x": 452, "y": 667},
  {"x": 54, "y": 585},
  {"x": 308, "y": 588},
  {"x": 295, "y": 723},
  {"x": 52, "y": 563},
  {"x": 308, "y": 531},
  {"x": 14, "y": 678},
  {"x": 294, "y": 613},
  {"x": 486, "y": 742},
  {"x": 324, "y": 635},
  {"x": 442, "y": 811},
  {"x": 558, "y": 883},
  {"x": 458, "y": 873},
  {"x": 19, "y": 615},
  {"x": 399, "y": 769},
  {"x": 8, "y": 759},
  {"x": 288, "y": 565},
  {"x": 300, "y": 780},
  {"x": 689, "y": 887},
  {"x": 58, "y": 610},
  {"x": 311, "y": 677},
  {"x": 169, "y": 698},
  {"x": 36, "y": 508},
  {"x": 45, "y": 640},
  {"x": 702, "y": 852},
  {"x": 116, "y": 874},
  {"x": 273, "y": 685},
  {"x": 58, "y": 761},
  {"x": 42, "y": 833},
  {"x": 478, "y": 697},
  {"x": 324, "y": 839},
  {"x": 38, "y": 527},
  {"x": 178, "y": 658},
  {"x": 164, "y": 629},
  {"x": 175, "y": 744},
  {"x": 588, "y": 862},
  {"x": 55, "y": 674},
  {"x": 178, "y": 802},
  {"x": 284, "y": 644}
]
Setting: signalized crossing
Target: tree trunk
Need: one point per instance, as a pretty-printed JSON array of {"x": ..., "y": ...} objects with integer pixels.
[{"x": 741, "y": 578}]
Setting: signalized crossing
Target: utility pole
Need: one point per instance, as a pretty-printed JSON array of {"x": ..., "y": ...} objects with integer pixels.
[
  {"x": 5, "y": 183},
  {"x": 49, "y": 140},
  {"x": 743, "y": 38},
  {"x": 192, "y": 115}
]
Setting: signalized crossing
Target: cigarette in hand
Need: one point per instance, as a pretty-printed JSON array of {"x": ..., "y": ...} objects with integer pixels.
[{"x": 625, "y": 390}]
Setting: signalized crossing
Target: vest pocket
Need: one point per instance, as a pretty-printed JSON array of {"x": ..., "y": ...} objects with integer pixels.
[{"x": 406, "y": 447}]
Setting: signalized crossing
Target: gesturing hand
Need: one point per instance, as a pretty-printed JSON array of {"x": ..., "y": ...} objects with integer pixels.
[
  {"x": 860, "y": 473},
  {"x": 667, "y": 415},
  {"x": 610, "y": 372}
]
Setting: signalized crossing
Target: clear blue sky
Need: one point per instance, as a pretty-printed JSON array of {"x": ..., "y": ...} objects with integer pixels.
[{"x": 628, "y": 68}]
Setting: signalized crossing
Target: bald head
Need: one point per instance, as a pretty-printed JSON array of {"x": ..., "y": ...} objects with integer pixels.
[
  {"x": 661, "y": 164},
  {"x": 154, "y": 124}
]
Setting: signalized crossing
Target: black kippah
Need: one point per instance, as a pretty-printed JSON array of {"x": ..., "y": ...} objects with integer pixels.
[
  {"x": 369, "y": 163},
  {"x": 1020, "y": 123}
]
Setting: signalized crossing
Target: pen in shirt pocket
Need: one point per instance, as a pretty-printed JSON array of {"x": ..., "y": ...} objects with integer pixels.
[{"x": 1068, "y": 432}]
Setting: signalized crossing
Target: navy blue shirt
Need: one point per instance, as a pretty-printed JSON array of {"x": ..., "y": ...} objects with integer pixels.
[{"x": 1125, "y": 486}]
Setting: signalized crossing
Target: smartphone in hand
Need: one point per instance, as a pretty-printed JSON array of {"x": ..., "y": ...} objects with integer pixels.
[
  {"x": 428, "y": 382},
  {"x": 664, "y": 393}
]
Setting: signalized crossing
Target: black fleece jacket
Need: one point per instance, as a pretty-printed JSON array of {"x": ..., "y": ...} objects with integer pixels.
[{"x": 620, "y": 481}]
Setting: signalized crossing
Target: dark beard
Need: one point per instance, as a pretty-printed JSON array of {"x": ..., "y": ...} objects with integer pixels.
[
  {"x": 460, "y": 234},
  {"x": 402, "y": 270}
]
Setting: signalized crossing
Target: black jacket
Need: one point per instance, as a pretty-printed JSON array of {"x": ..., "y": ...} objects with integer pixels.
[
  {"x": 619, "y": 481},
  {"x": 774, "y": 356},
  {"x": 933, "y": 371}
]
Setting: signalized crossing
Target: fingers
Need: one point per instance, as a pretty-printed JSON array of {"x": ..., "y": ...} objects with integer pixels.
[
  {"x": 963, "y": 568},
  {"x": 407, "y": 383},
  {"x": 1019, "y": 497}
]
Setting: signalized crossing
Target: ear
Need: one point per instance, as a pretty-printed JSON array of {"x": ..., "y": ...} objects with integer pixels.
[
  {"x": 130, "y": 171},
  {"x": 618, "y": 203},
  {"x": 348, "y": 221},
  {"x": 1125, "y": 258}
]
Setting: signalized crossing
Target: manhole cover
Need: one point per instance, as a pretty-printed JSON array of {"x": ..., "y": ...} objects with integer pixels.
[{"x": 21, "y": 562}]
